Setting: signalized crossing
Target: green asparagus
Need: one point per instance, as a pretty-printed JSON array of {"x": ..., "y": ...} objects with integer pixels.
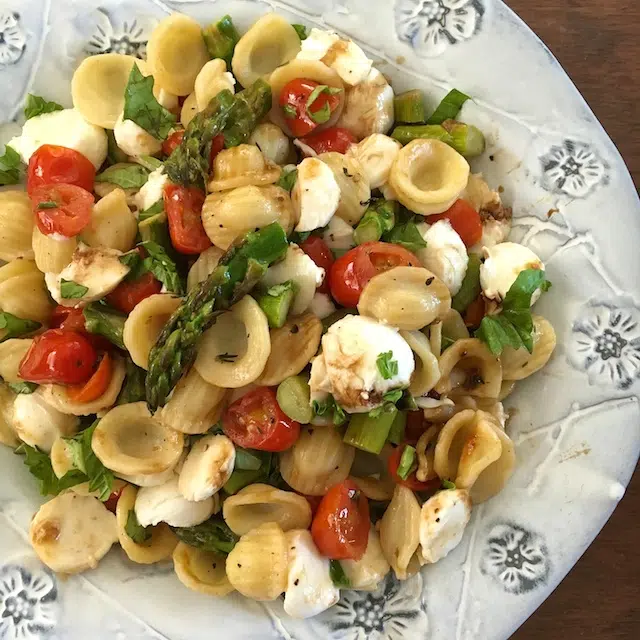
[
  {"x": 221, "y": 39},
  {"x": 408, "y": 462},
  {"x": 236, "y": 274},
  {"x": 378, "y": 218},
  {"x": 409, "y": 107},
  {"x": 464, "y": 138},
  {"x": 105, "y": 322},
  {"x": 133, "y": 387},
  {"x": 449, "y": 107},
  {"x": 370, "y": 433},
  {"x": 293, "y": 397},
  {"x": 276, "y": 302}
]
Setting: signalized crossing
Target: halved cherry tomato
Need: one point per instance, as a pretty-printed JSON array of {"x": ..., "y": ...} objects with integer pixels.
[
  {"x": 52, "y": 164},
  {"x": 300, "y": 117},
  {"x": 72, "y": 319},
  {"x": 96, "y": 385},
  {"x": 62, "y": 208},
  {"x": 184, "y": 206},
  {"x": 217, "y": 145},
  {"x": 317, "y": 249},
  {"x": 415, "y": 426},
  {"x": 129, "y": 293},
  {"x": 351, "y": 272},
  {"x": 341, "y": 525},
  {"x": 464, "y": 219},
  {"x": 256, "y": 421},
  {"x": 59, "y": 357},
  {"x": 112, "y": 500},
  {"x": 412, "y": 481},
  {"x": 332, "y": 139},
  {"x": 172, "y": 142},
  {"x": 474, "y": 313}
]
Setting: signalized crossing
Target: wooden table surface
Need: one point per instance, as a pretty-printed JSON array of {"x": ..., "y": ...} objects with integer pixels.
[{"x": 598, "y": 43}]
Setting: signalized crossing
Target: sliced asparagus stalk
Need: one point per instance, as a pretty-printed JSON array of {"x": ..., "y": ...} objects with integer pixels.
[
  {"x": 464, "y": 138},
  {"x": 409, "y": 107}
]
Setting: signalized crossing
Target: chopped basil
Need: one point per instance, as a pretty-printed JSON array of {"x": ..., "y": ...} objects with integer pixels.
[
  {"x": 338, "y": 576},
  {"x": 39, "y": 465},
  {"x": 72, "y": 290},
  {"x": 289, "y": 111},
  {"x": 301, "y": 30},
  {"x": 36, "y": 106},
  {"x": 126, "y": 175},
  {"x": 135, "y": 530},
  {"x": 212, "y": 535},
  {"x": 48, "y": 204},
  {"x": 163, "y": 267},
  {"x": 10, "y": 166},
  {"x": 15, "y": 327},
  {"x": 153, "y": 210},
  {"x": 287, "y": 180},
  {"x": 387, "y": 366},
  {"x": 24, "y": 388},
  {"x": 329, "y": 408}
]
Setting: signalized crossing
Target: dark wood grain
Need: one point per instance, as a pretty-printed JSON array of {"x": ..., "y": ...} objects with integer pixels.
[{"x": 598, "y": 43}]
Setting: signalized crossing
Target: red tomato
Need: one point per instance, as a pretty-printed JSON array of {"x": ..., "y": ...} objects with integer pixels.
[
  {"x": 341, "y": 525},
  {"x": 112, "y": 501},
  {"x": 217, "y": 145},
  {"x": 314, "y": 503},
  {"x": 351, "y": 272},
  {"x": 411, "y": 482},
  {"x": 474, "y": 313},
  {"x": 293, "y": 100},
  {"x": 317, "y": 249},
  {"x": 464, "y": 219},
  {"x": 61, "y": 208},
  {"x": 172, "y": 142},
  {"x": 184, "y": 206},
  {"x": 332, "y": 139},
  {"x": 52, "y": 164},
  {"x": 59, "y": 357},
  {"x": 255, "y": 421},
  {"x": 129, "y": 293},
  {"x": 415, "y": 426},
  {"x": 68, "y": 319},
  {"x": 96, "y": 385}
]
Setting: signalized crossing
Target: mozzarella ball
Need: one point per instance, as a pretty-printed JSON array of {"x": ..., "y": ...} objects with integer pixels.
[
  {"x": 273, "y": 142},
  {"x": 376, "y": 154},
  {"x": 322, "y": 305},
  {"x": 134, "y": 140},
  {"x": 315, "y": 195},
  {"x": 339, "y": 235},
  {"x": 152, "y": 190}
]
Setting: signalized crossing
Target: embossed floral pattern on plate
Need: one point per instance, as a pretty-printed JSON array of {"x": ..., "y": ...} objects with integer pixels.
[
  {"x": 110, "y": 36},
  {"x": 12, "y": 39}
]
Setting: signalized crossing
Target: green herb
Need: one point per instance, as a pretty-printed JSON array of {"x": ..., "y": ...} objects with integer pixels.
[
  {"x": 39, "y": 465},
  {"x": 407, "y": 463},
  {"x": 221, "y": 39},
  {"x": 247, "y": 461},
  {"x": 149, "y": 162},
  {"x": 163, "y": 267},
  {"x": 25, "y": 388},
  {"x": 387, "y": 366},
  {"x": 141, "y": 106},
  {"x": 338, "y": 576},
  {"x": 71, "y": 290},
  {"x": 449, "y": 108},
  {"x": 114, "y": 153},
  {"x": 287, "y": 180},
  {"x": 106, "y": 322},
  {"x": 48, "y": 204},
  {"x": 393, "y": 396},
  {"x": 10, "y": 166},
  {"x": 135, "y": 262},
  {"x": 322, "y": 115},
  {"x": 379, "y": 218},
  {"x": 447, "y": 484},
  {"x": 36, "y": 106},
  {"x": 406, "y": 235},
  {"x": 126, "y": 175},
  {"x": 331, "y": 409},
  {"x": 212, "y": 535},
  {"x": 289, "y": 111},
  {"x": 135, "y": 530},
  {"x": 301, "y": 30},
  {"x": 470, "y": 288},
  {"x": 133, "y": 387},
  {"x": 447, "y": 342},
  {"x": 14, "y": 327},
  {"x": 513, "y": 326},
  {"x": 153, "y": 210}
]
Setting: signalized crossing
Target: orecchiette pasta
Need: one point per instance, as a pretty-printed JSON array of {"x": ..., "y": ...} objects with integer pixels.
[
  {"x": 426, "y": 374},
  {"x": 203, "y": 267},
  {"x": 8, "y": 436},
  {"x": 453, "y": 326},
  {"x": 227, "y": 215},
  {"x": 273, "y": 143},
  {"x": 519, "y": 364},
  {"x": 435, "y": 337},
  {"x": 112, "y": 224},
  {"x": 212, "y": 79},
  {"x": 374, "y": 488},
  {"x": 11, "y": 353},
  {"x": 425, "y": 452},
  {"x": 376, "y": 154},
  {"x": 428, "y": 176},
  {"x": 201, "y": 571},
  {"x": 189, "y": 110},
  {"x": 234, "y": 351},
  {"x": 242, "y": 166},
  {"x": 318, "y": 460},
  {"x": 367, "y": 573},
  {"x": 268, "y": 44},
  {"x": 23, "y": 292},
  {"x": 405, "y": 297},
  {"x": 16, "y": 225},
  {"x": 257, "y": 565},
  {"x": 52, "y": 254},
  {"x": 144, "y": 324}
]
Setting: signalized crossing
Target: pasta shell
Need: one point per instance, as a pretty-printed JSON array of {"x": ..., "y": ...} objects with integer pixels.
[
  {"x": 379, "y": 489},
  {"x": 425, "y": 452},
  {"x": 506, "y": 389},
  {"x": 176, "y": 53},
  {"x": 260, "y": 503},
  {"x": 16, "y": 225},
  {"x": 112, "y": 224},
  {"x": 8, "y": 436},
  {"x": 367, "y": 573},
  {"x": 405, "y": 297},
  {"x": 273, "y": 143},
  {"x": 11, "y": 353},
  {"x": 234, "y": 351},
  {"x": 24, "y": 294},
  {"x": 318, "y": 460},
  {"x": 128, "y": 440},
  {"x": 268, "y": 44},
  {"x": 469, "y": 365},
  {"x": 189, "y": 110},
  {"x": 212, "y": 79},
  {"x": 201, "y": 571},
  {"x": 426, "y": 373},
  {"x": 299, "y": 338},
  {"x": 435, "y": 337},
  {"x": 242, "y": 166},
  {"x": 98, "y": 87},
  {"x": 17, "y": 267},
  {"x": 228, "y": 215},
  {"x": 145, "y": 323},
  {"x": 52, "y": 255},
  {"x": 203, "y": 267},
  {"x": 519, "y": 364},
  {"x": 428, "y": 176}
]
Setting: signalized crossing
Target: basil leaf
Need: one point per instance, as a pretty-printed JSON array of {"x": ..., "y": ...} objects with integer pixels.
[
  {"x": 330, "y": 408},
  {"x": 449, "y": 108},
  {"x": 126, "y": 175},
  {"x": 153, "y": 210},
  {"x": 387, "y": 366},
  {"x": 36, "y": 106},
  {"x": 72, "y": 290},
  {"x": 135, "y": 262},
  {"x": 135, "y": 530},
  {"x": 447, "y": 484},
  {"x": 133, "y": 389},
  {"x": 407, "y": 236},
  {"x": 393, "y": 396},
  {"x": 289, "y": 111},
  {"x": 47, "y": 204},
  {"x": 287, "y": 180},
  {"x": 301, "y": 30},
  {"x": 149, "y": 162},
  {"x": 162, "y": 267},
  {"x": 322, "y": 115},
  {"x": 24, "y": 388},
  {"x": 39, "y": 465},
  {"x": 14, "y": 327},
  {"x": 212, "y": 535},
  {"x": 115, "y": 154},
  {"x": 10, "y": 166},
  {"x": 338, "y": 576},
  {"x": 141, "y": 106}
]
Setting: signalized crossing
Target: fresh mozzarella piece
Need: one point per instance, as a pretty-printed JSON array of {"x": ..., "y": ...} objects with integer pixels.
[
  {"x": 339, "y": 235},
  {"x": 66, "y": 128},
  {"x": 376, "y": 154},
  {"x": 317, "y": 44},
  {"x": 367, "y": 573},
  {"x": 38, "y": 423},
  {"x": 322, "y": 305},
  {"x": 134, "y": 140},
  {"x": 97, "y": 268},
  {"x": 347, "y": 367},
  {"x": 316, "y": 194},
  {"x": 443, "y": 518},
  {"x": 501, "y": 267},
  {"x": 165, "y": 503},
  {"x": 152, "y": 190},
  {"x": 445, "y": 254},
  {"x": 207, "y": 467},
  {"x": 310, "y": 589},
  {"x": 300, "y": 268}
]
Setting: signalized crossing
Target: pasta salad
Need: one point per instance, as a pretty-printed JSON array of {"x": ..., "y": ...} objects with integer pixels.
[{"x": 258, "y": 316}]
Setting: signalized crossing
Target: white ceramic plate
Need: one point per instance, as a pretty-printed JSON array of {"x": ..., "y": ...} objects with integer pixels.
[{"x": 576, "y": 424}]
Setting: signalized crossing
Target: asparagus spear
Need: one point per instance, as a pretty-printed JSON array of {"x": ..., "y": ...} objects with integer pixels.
[
  {"x": 221, "y": 39},
  {"x": 464, "y": 138},
  {"x": 378, "y": 218},
  {"x": 409, "y": 106},
  {"x": 236, "y": 274},
  {"x": 276, "y": 302},
  {"x": 109, "y": 324}
]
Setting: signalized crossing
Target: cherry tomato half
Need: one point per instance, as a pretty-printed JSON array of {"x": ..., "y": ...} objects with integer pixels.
[
  {"x": 317, "y": 249},
  {"x": 332, "y": 139},
  {"x": 72, "y": 319},
  {"x": 62, "y": 208},
  {"x": 341, "y": 525},
  {"x": 300, "y": 118},
  {"x": 351, "y": 272},
  {"x": 464, "y": 219},
  {"x": 96, "y": 385},
  {"x": 59, "y": 357},
  {"x": 184, "y": 206},
  {"x": 172, "y": 142},
  {"x": 474, "y": 313},
  {"x": 255, "y": 421},
  {"x": 112, "y": 501},
  {"x": 129, "y": 293},
  {"x": 412, "y": 481},
  {"x": 52, "y": 164}
]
